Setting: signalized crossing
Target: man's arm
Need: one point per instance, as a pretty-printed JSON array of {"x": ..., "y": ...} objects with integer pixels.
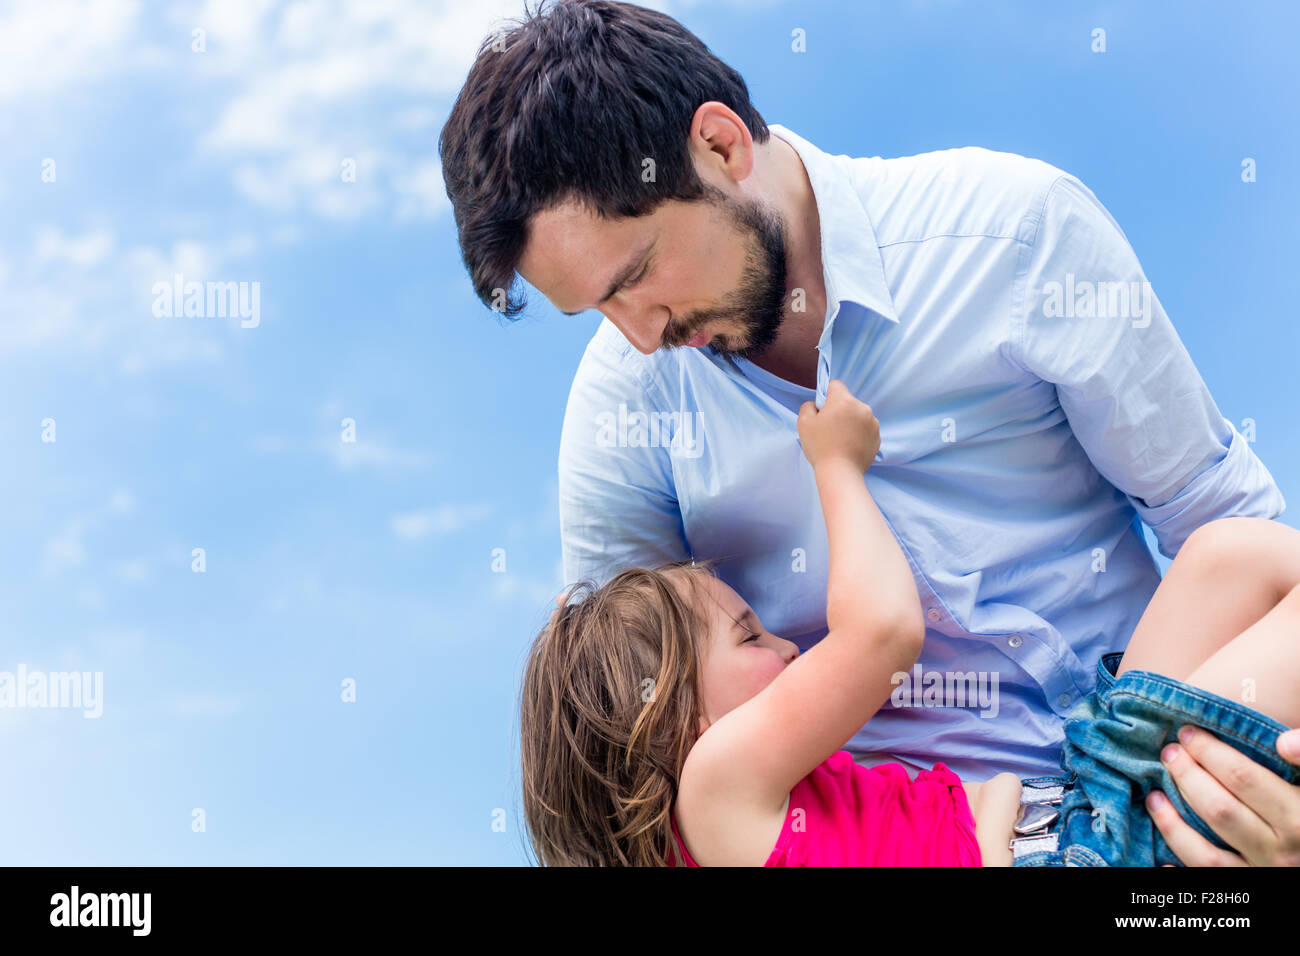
[
  {"x": 618, "y": 505},
  {"x": 1141, "y": 411},
  {"x": 1091, "y": 324}
]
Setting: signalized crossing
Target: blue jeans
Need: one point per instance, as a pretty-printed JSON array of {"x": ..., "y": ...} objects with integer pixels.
[{"x": 1111, "y": 760}]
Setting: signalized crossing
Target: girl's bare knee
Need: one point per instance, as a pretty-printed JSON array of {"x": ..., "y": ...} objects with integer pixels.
[
  {"x": 1223, "y": 544},
  {"x": 1243, "y": 551}
]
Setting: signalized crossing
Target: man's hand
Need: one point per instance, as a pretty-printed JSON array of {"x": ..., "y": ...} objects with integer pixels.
[{"x": 1251, "y": 809}]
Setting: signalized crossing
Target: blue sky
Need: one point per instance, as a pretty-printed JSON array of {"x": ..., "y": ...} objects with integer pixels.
[{"x": 371, "y": 560}]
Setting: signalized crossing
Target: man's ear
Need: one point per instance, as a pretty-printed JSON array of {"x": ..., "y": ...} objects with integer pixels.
[{"x": 725, "y": 134}]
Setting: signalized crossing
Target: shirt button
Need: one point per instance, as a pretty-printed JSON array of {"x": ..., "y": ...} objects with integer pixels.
[
  {"x": 1015, "y": 640},
  {"x": 1063, "y": 700},
  {"x": 933, "y": 614}
]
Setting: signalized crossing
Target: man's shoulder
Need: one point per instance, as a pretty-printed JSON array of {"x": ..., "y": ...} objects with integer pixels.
[
  {"x": 609, "y": 343},
  {"x": 611, "y": 375},
  {"x": 963, "y": 191},
  {"x": 611, "y": 366}
]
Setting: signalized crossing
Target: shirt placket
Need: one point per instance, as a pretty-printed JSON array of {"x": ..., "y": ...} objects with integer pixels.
[
  {"x": 1036, "y": 654},
  {"x": 1039, "y": 655}
]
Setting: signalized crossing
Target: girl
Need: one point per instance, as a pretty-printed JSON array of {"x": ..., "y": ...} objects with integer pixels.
[{"x": 663, "y": 725}]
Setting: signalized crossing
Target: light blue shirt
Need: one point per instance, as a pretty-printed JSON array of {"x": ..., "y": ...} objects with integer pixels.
[{"x": 1034, "y": 402}]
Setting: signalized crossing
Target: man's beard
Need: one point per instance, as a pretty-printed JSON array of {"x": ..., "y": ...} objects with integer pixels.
[{"x": 759, "y": 305}]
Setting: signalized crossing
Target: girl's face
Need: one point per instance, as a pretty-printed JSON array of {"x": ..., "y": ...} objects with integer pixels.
[{"x": 739, "y": 656}]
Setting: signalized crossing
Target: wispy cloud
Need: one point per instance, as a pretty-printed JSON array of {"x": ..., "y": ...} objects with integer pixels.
[
  {"x": 48, "y": 46},
  {"x": 310, "y": 88},
  {"x": 84, "y": 290},
  {"x": 368, "y": 451},
  {"x": 199, "y": 705},
  {"x": 531, "y": 589},
  {"x": 413, "y": 525},
  {"x": 65, "y": 550},
  {"x": 375, "y": 453},
  {"x": 86, "y": 250}
]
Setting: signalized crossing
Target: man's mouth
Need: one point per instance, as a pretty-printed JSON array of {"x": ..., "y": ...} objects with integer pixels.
[{"x": 699, "y": 339}]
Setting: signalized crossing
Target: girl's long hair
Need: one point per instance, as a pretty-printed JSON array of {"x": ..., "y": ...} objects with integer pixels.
[{"x": 609, "y": 708}]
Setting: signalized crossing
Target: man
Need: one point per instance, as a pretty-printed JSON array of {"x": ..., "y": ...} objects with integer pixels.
[{"x": 1035, "y": 401}]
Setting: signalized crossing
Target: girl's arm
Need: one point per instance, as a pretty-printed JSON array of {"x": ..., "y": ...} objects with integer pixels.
[
  {"x": 757, "y": 752},
  {"x": 870, "y": 588}
]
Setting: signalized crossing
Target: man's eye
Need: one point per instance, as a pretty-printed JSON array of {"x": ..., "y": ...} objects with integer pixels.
[
  {"x": 631, "y": 282},
  {"x": 752, "y": 637}
]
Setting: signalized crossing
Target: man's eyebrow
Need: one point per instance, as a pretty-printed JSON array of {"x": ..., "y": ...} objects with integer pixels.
[{"x": 623, "y": 275}]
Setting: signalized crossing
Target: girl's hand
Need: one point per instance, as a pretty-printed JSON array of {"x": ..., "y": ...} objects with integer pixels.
[{"x": 844, "y": 428}]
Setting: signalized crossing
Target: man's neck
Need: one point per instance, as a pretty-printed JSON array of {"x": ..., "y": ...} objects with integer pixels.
[{"x": 793, "y": 356}]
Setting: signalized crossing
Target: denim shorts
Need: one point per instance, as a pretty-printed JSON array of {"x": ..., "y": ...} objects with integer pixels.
[{"x": 1111, "y": 761}]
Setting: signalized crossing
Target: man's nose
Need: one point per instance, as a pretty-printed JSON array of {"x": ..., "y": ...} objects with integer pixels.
[{"x": 644, "y": 328}]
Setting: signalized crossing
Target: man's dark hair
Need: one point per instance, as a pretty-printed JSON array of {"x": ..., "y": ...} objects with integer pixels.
[{"x": 566, "y": 105}]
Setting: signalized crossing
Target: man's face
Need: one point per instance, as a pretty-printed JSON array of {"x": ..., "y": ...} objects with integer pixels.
[{"x": 703, "y": 273}]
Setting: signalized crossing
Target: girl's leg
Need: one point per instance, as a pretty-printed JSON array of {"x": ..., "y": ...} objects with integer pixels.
[
  {"x": 1228, "y": 575},
  {"x": 1261, "y": 667}
]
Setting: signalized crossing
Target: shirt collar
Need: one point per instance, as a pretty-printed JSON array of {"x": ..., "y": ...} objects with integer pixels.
[{"x": 851, "y": 263}]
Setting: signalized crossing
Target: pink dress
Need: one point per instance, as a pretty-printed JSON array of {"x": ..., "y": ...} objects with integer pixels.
[{"x": 844, "y": 814}]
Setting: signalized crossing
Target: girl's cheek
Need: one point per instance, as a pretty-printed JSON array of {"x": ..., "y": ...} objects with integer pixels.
[{"x": 772, "y": 666}]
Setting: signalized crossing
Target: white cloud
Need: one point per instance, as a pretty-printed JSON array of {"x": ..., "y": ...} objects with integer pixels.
[
  {"x": 198, "y": 705},
  {"x": 80, "y": 289},
  {"x": 413, "y": 525},
  {"x": 285, "y": 94},
  {"x": 170, "y": 351},
  {"x": 310, "y": 84},
  {"x": 415, "y": 117},
  {"x": 368, "y": 451},
  {"x": 421, "y": 193},
  {"x": 375, "y": 453},
  {"x": 133, "y": 571},
  {"x": 109, "y": 645},
  {"x": 284, "y": 235},
  {"x": 512, "y": 585},
  {"x": 65, "y": 550},
  {"x": 47, "y": 46},
  {"x": 85, "y": 251},
  {"x": 192, "y": 259},
  {"x": 90, "y": 597}
]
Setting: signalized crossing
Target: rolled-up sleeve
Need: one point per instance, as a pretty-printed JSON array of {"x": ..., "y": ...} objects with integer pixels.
[
  {"x": 618, "y": 506},
  {"x": 1091, "y": 325}
]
